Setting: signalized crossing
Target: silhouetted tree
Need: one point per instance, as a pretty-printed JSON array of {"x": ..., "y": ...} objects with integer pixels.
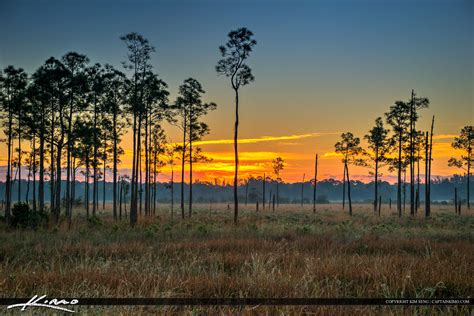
[
  {"x": 379, "y": 145},
  {"x": 75, "y": 94},
  {"x": 13, "y": 82},
  {"x": 139, "y": 53},
  {"x": 190, "y": 108},
  {"x": 349, "y": 148},
  {"x": 465, "y": 143},
  {"x": 235, "y": 52},
  {"x": 277, "y": 165},
  {"x": 115, "y": 90},
  {"x": 315, "y": 182}
]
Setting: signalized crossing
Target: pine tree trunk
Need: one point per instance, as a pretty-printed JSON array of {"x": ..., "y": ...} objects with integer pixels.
[
  {"x": 302, "y": 190},
  {"x": 412, "y": 155},
  {"x": 315, "y": 182},
  {"x": 427, "y": 197},
  {"x": 376, "y": 183},
  {"x": 182, "y": 166},
  {"x": 344, "y": 188},
  {"x": 349, "y": 190},
  {"x": 41, "y": 167},
  {"x": 236, "y": 156},
  {"x": 133, "y": 210},
  {"x": 86, "y": 184},
  {"x": 399, "y": 182},
  {"x": 34, "y": 173},
  {"x": 190, "y": 163},
  {"x": 469, "y": 157},
  {"x": 105, "y": 170},
  {"x": 8, "y": 187},
  {"x": 19, "y": 164},
  {"x": 456, "y": 200},
  {"x": 114, "y": 198}
]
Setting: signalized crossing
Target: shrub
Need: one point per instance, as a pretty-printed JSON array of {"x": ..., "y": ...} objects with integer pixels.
[{"x": 24, "y": 217}]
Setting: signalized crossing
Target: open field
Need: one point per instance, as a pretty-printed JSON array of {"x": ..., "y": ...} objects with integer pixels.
[{"x": 289, "y": 253}]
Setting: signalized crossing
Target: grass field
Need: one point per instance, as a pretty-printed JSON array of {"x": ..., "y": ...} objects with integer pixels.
[{"x": 287, "y": 253}]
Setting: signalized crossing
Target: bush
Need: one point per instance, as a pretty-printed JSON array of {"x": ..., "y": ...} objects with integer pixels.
[{"x": 24, "y": 217}]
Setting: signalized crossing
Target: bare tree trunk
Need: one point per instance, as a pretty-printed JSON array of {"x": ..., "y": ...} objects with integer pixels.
[
  {"x": 57, "y": 193},
  {"x": 469, "y": 157},
  {"x": 86, "y": 184},
  {"x": 41, "y": 166},
  {"x": 115, "y": 169},
  {"x": 19, "y": 164},
  {"x": 273, "y": 203},
  {"x": 52, "y": 197},
  {"x": 302, "y": 190},
  {"x": 120, "y": 198},
  {"x": 34, "y": 173},
  {"x": 139, "y": 188},
  {"x": 264, "y": 181},
  {"x": 68, "y": 166},
  {"x": 380, "y": 203},
  {"x": 456, "y": 200},
  {"x": 315, "y": 182},
  {"x": 429, "y": 166},
  {"x": 399, "y": 182},
  {"x": 191, "y": 163},
  {"x": 172, "y": 193},
  {"x": 427, "y": 197},
  {"x": 349, "y": 190},
  {"x": 8, "y": 184},
  {"x": 28, "y": 181},
  {"x": 105, "y": 170},
  {"x": 404, "y": 189},
  {"x": 94, "y": 162},
  {"x": 376, "y": 184},
  {"x": 147, "y": 175},
  {"x": 182, "y": 167},
  {"x": 133, "y": 209},
  {"x": 236, "y": 154},
  {"x": 418, "y": 181},
  {"x": 344, "y": 188}
]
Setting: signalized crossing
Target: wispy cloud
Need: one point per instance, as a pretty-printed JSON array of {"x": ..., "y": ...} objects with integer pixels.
[
  {"x": 445, "y": 136},
  {"x": 261, "y": 139}
]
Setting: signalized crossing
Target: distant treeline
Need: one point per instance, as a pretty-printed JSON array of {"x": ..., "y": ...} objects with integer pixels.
[{"x": 329, "y": 190}]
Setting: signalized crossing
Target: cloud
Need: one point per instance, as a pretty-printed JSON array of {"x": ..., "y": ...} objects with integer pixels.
[
  {"x": 261, "y": 139},
  {"x": 445, "y": 136}
]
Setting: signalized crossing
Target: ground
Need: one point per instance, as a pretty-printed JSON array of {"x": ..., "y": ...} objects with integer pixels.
[{"x": 291, "y": 252}]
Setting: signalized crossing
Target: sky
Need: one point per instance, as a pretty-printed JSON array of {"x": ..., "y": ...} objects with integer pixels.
[{"x": 321, "y": 68}]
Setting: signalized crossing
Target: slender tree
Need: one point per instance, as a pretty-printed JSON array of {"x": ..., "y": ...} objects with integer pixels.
[
  {"x": 277, "y": 165},
  {"x": 464, "y": 142},
  {"x": 190, "y": 108},
  {"x": 315, "y": 182},
  {"x": 139, "y": 54},
  {"x": 13, "y": 83},
  {"x": 379, "y": 145},
  {"x": 235, "y": 52},
  {"x": 351, "y": 151},
  {"x": 75, "y": 91}
]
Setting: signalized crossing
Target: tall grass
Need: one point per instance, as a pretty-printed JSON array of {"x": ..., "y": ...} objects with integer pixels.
[{"x": 289, "y": 253}]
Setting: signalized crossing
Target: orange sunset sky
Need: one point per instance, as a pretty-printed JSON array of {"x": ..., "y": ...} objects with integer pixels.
[{"x": 321, "y": 68}]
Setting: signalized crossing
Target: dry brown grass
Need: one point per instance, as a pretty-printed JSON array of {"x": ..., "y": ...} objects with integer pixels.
[{"x": 289, "y": 253}]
